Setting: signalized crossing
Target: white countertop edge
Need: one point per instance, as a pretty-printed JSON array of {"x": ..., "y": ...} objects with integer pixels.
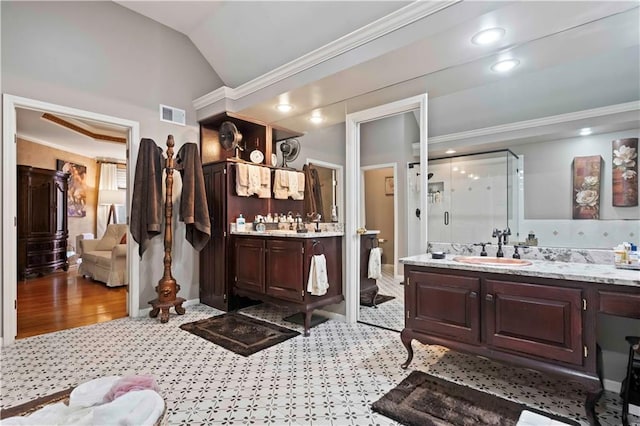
[
  {"x": 597, "y": 273},
  {"x": 289, "y": 234}
]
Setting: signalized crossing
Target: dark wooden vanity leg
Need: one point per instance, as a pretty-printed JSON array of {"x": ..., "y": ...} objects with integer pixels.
[
  {"x": 307, "y": 322},
  {"x": 595, "y": 392},
  {"x": 406, "y": 341}
]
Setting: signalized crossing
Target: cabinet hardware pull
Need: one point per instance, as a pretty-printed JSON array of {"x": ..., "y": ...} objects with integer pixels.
[
  {"x": 489, "y": 297},
  {"x": 446, "y": 218},
  {"x": 408, "y": 282},
  {"x": 224, "y": 296},
  {"x": 584, "y": 304},
  {"x": 473, "y": 294},
  {"x": 586, "y": 351},
  {"x": 408, "y": 316},
  {"x": 302, "y": 294}
]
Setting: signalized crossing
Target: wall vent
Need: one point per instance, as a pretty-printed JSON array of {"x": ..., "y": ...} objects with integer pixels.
[{"x": 172, "y": 115}]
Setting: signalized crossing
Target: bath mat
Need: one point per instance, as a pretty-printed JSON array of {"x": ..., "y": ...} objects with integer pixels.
[
  {"x": 380, "y": 298},
  {"x": 425, "y": 400},
  {"x": 239, "y": 333}
]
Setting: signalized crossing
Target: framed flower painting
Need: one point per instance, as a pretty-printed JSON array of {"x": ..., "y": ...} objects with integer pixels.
[
  {"x": 624, "y": 177},
  {"x": 586, "y": 187}
]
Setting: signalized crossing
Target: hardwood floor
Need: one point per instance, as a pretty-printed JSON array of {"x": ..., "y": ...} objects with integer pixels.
[{"x": 63, "y": 300}]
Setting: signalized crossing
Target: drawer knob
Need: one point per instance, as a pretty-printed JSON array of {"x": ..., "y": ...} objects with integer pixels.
[
  {"x": 489, "y": 297},
  {"x": 473, "y": 295}
]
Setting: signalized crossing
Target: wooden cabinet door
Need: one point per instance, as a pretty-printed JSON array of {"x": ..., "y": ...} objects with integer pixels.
[
  {"x": 534, "y": 319},
  {"x": 442, "y": 304},
  {"x": 213, "y": 257},
  {"x": 249, "y": 264},
  {"x": 284, "y": 277}
]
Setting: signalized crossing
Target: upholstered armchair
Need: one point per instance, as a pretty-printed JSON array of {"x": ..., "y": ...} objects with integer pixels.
[{"x": 105, "y": 260}]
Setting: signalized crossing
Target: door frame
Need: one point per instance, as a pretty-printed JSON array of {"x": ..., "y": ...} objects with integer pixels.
[
  {"x": 353, "y": 190},
  {"x": 9, "y": 202},
  {"x": 363, "y": 215}
]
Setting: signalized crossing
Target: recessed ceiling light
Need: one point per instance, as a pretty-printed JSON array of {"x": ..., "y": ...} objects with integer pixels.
[
  {"x": 284, "y": 107},
  {"x": 506, "y": 65},
  {"x": 476, "y": 177},
  {"x": 316, "y": 119},
  {"x": 450, "y": 151},
  {"x": 463, "y": 171},
  {"x": 470, "y": 175},
  {"x": 455, "y": 169},
  {"x": 488, "y": 36},
  {"x": 586, "y": 131}
]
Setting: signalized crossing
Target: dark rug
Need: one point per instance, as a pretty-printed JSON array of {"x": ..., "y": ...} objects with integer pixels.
[
  {"x": 425, "y": 400},
  {"x": 380, "y": 298},
  {"x": 299, "y": 319},
  {"x": 239, "y": 333}
]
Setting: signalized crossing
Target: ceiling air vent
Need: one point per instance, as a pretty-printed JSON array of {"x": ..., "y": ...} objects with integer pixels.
[{"x": 172, "y": 115}]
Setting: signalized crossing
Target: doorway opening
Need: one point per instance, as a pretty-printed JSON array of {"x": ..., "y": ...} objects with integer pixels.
[{"x": 12, "y": 105}]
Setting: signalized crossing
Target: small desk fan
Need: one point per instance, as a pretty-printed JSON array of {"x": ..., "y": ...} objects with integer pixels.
[
  {"x": 230, "y": 138},
  {"x": 290, "y": 149}
]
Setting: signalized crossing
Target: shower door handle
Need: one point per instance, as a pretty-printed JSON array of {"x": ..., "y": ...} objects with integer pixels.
[
  {"x": 418, "y": 213},
  {"x": 446, "y": 218}
]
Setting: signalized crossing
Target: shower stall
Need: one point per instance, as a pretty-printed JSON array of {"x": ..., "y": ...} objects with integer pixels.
[{"x": 470, "y": 195}]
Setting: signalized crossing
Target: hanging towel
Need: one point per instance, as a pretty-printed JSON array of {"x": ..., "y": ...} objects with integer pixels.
[
  {"x": 318, "y": 282},
  {"x": 254, "y": 179},
  {"x": 375, "y": 263},
  {"x": 265, "y": 183},
  {"x": 242, "y": 180},
  {"x": 298, "y": 192},
  {"x": 194, "y": 210},
  {"x": 146, "y": 200},
  {"x": 293, "y": 183},
  {"x": 281, "y": 185}
]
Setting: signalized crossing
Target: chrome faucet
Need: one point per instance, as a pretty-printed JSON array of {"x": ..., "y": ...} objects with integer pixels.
[{"x": 502, "y": 239}]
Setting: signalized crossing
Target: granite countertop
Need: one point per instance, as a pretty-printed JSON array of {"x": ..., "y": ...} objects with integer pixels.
[
  {"x": 281, "y": 233},
  {"x": 371, "y": 232},
  {"x": 586, "y": 272}
]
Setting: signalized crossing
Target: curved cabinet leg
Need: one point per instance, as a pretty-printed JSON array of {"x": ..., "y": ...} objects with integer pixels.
[
  {"x": 154, "y": 312},
  {"x": 164, "y": 315},
  {"x": 179, "y": 309},
  {"x": 307, "y": 322},
  {"x": 590, "y": 406},
  {"x": 406, "y": 341}
]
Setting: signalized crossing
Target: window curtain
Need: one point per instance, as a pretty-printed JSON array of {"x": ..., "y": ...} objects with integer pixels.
[{"x": 108, "y": 181}]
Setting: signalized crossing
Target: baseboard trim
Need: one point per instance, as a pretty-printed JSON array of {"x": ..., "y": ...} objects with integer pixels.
[{"x": 613, "y": 386}]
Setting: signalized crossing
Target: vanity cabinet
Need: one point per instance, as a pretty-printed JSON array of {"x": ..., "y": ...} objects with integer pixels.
[
  {"x": 538, "y": 320},
  {"x": 276, "y": 270},
  {"x": 444, "y": 304}
]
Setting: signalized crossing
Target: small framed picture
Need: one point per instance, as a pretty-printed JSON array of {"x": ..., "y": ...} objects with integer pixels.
[{"x": 388, "y": 185}]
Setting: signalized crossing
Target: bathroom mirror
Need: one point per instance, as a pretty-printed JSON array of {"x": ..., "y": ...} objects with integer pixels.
[
  {"x": 324, "y": 190},
  {"x": 536, "y": 111}
]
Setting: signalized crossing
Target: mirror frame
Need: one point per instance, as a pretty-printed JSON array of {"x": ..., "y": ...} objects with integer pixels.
[{"x": 353, "y": 191}]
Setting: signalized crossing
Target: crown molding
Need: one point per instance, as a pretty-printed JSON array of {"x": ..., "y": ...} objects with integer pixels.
[
  {"x": 212, "y": 97},
  {"x": 400, "y": 18},
  {"x": 538, "y": 122}
]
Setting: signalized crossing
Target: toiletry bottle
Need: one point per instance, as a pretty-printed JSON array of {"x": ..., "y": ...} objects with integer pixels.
[{"x": 240, "y": 223}]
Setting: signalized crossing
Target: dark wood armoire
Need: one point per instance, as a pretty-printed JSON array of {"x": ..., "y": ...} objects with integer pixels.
[{"x": 42, "y": 221}]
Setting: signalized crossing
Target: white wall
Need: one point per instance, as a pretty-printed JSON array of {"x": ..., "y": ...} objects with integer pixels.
[
  {"x": 548, "y": 195},
  {"x": 324, "y": 144},
  {"x": 103, "y": 58},
  {"x": 389, "y": 140}
]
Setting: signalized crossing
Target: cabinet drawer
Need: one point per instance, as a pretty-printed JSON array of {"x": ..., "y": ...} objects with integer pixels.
[
  {"x": 534, "y": 319},
  {"x": 447, "y": 305},
  {"x": 621, "y": 304}
]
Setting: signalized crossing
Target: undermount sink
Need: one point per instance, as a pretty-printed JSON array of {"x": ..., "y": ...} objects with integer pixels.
[{"x": 492, "y": 261}]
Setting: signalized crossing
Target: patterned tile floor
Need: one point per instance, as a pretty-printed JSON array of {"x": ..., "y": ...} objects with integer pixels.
[
  {"x": 329, "y": 378},
  {"x": 388, "y": 314}
]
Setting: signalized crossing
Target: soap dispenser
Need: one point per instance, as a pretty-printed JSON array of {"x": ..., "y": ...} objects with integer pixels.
[{"x": 240, "y": 222}]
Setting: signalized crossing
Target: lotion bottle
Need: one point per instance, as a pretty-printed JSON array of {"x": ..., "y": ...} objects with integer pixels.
[{"x": 240, "y": 223}]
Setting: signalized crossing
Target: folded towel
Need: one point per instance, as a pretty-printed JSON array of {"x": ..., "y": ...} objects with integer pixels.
[
  {"x": 265, "y": 183},
  {"x": 242, "y": 180},
  {"x": 254, "y": 179},
  {"x": 280, "y": 191},
  {"x": 318, "y": 282},
  {"x": 375, "y": 263}
]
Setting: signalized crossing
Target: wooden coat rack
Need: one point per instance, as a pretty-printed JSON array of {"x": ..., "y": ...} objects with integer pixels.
[{"x": 167, "y": 287}]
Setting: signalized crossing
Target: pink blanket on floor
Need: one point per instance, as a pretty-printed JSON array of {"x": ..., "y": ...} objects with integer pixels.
[{"x": 131, "y": 383}]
